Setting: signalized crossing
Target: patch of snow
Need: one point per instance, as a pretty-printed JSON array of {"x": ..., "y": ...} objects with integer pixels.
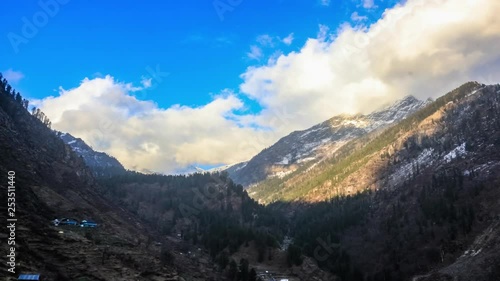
[
  {"x": 241, "y": 167},
  {"x": 457, "y": 151},
  {"x": 281, "y": 174},
  {"x": 219, "y": 169},
  {"x": 475, "y": 91},
  {"x": 285, "y": 161},
  {"x": 486, "y": 167},
  {"x": 423, "y": 159},
  {"x": 313, "y": 130},
  {"x": 475, "y": 253},
  {"x": 325, "y": 140},
  {"x": 312, "y": 167},
  {"x": 309, "y": 146},
  {"x": 72, "y": 142},
  {"x": 306, "y": 159},
  {"x": 351, "y": 123},
  {"x": 286, "y": 243},
  {"x": 471, "y": 253}
]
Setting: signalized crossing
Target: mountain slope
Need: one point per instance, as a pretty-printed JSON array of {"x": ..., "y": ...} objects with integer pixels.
[
  {"x": 421, "y": 196},
  {"x": 303, "y": 148},
  {"x": 51, "y": 181},
  {"x": 100, "y": 163},
  {"x": 320, "y": 181}
]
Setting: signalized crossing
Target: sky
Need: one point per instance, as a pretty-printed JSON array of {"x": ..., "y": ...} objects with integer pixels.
[{"x": 165, "y": 85}]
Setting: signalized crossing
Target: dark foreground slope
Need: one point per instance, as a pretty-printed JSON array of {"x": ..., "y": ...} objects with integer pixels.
[{"x": 52, "y": 181}]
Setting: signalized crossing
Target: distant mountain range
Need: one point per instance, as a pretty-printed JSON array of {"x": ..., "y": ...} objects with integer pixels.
[
  {"x": 312, "y": 145},
  {"x": 103, "y": 164}
]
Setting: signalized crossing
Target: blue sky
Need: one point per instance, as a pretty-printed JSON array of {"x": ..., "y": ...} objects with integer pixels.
[
  {"x": 163, "y": 85},
  {"x": 202, "y": 52}
]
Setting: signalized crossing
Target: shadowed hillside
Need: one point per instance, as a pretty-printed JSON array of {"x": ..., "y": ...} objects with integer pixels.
[{"x": 51, "y": 181}]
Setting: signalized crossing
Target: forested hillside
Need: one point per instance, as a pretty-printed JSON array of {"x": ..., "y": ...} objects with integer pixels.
[
  {"x": 205, "y": 209},
  {"x": 409, "y": 200},
  {"x": 51, "y": 181}
]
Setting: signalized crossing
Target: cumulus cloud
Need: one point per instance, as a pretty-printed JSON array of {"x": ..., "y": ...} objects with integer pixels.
[
  {"x": 13, "y": 76},
  {"x": 145, "y": 137},
  {"x": 423, "y": 47}
]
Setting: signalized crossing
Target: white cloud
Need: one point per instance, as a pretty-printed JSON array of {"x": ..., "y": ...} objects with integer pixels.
[
  {"x": 368, "y": 4},
  {"x": 325, "y": 2},
  {"x": 288, "y": 40},
  {"x": 146, "y": 82},
  {"x": 323, "y": 33},
  {"x": 356, "y": 17},
  {"x": 265, "y": 40},
  {"x": 255, "y": 53},
  {"x": 145, "y": 137},
  {"x": 424, "y": 48},
  {"x": 13, "y": 76}
]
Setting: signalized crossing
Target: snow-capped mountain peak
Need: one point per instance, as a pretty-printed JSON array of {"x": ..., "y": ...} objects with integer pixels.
[
  {"x": 100, "y": 163},
  {"x": 319, "y": 141}
]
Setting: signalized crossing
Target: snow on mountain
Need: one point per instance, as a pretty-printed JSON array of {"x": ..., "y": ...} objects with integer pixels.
[
  {"x": 191, "y": 169},
  {"x": 456, "y": 152},
  {"x": 320, "y": 141},
  {"x": 101, "y": 163}
]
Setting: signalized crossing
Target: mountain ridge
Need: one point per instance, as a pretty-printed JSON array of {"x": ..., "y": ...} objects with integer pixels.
[
  {"x": 101, "y": 164},
  {"x": 416, "y": 201},
  {"x": 321, "y": 140}
]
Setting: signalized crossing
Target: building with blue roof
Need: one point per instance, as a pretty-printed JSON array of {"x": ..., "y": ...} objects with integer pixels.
[{"x": 29, "y": 277}]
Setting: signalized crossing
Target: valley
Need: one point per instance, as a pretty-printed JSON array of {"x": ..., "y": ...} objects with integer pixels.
[{"x": 409, "y": 192}]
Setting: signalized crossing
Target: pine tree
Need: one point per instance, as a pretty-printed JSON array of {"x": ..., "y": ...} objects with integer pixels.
[
  {"x": 233, "y": 270},
  {"x": 244, "y": 274},
  {"x": 252, "y": 276},
  {"x": 19, "y": 99}
]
